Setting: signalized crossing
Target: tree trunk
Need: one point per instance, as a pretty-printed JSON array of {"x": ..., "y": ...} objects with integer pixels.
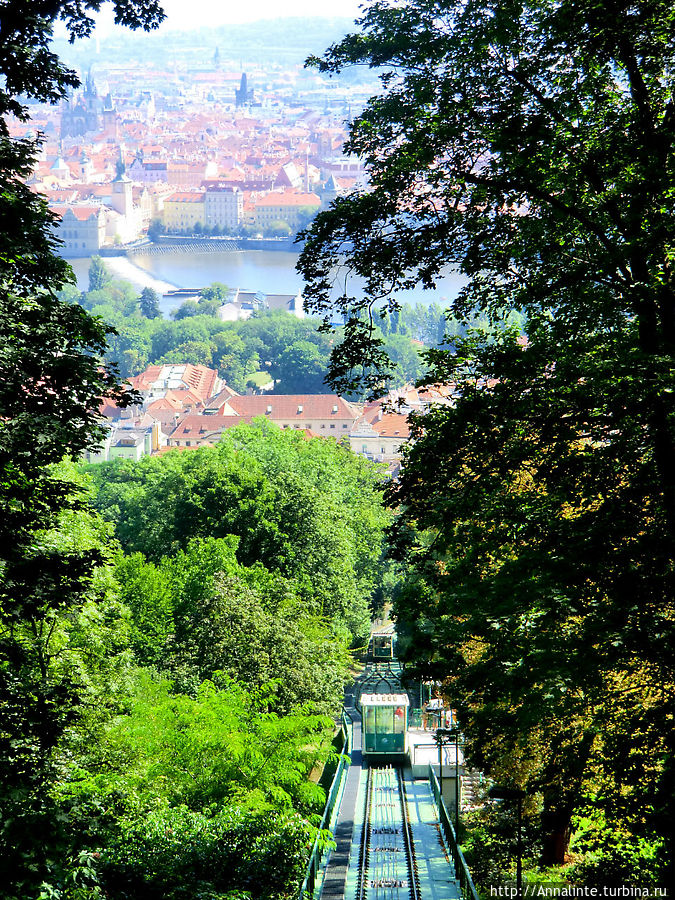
[
  {"x": 560, "y": 799},
  {"x": 556, "y": 827}
]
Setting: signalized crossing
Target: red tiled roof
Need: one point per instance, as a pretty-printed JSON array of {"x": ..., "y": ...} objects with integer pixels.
[
  {"x": 144, "y": 381},
  {"x": 300, "y": 407},
  {"x": 199, "y": 380},
  {"x": 185, "y": 197},
  {"x": 289, "y": 199},
  {"x": 81, "y": 213},
  {"x": 391, "y": 425},
  {"x": 204, "y": 428},
  {"x": 85, "y": 212},
  {"x": 166, "y": 403},
  {"x": 221, "y": 398}
]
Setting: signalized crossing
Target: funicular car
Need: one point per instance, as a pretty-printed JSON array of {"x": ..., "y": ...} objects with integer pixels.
[
  {"x": 383, "y": 643},
  {"x": 384, "y": 721}
]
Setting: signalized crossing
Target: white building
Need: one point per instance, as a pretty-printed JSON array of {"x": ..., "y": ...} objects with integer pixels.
[
  {"x": 82, "y": 228},
  {"x": 379, "y": 435},
  {"x": 223, "y": 207}
]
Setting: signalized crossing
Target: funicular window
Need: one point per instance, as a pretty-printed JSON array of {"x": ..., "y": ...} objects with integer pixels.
[
  {"x": 385, "y": 724},
  {"x": 385, "y": 720},
  {"x": 382, "y": 646}
]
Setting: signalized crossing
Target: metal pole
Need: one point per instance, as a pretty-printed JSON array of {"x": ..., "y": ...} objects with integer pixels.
[
  {"x": 519, "y": 852},
  {"x": 440, "y": 763},
  {"x": 509, "y": 793},
  {"x": 457, "y": 786}
]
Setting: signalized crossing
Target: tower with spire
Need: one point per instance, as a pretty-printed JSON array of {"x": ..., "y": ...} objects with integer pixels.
[
  {"x": 109, "y": 116},
  {"x": 243, "y": 95},
  {"x": 82, "y": 114},
  {"x": 122, "y": 187}
]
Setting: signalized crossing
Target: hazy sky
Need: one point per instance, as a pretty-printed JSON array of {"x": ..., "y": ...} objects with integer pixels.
[
  {"x": 184, "y": 14},
  {"x": 180, "y": 13}
]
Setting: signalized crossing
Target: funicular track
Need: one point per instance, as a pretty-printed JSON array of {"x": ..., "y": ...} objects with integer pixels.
[{"x": 387, "y": 867}]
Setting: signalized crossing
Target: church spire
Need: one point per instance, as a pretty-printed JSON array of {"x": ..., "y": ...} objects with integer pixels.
[
  {"x": 89, "y": 85},
  {"x": 121, "y": 166}
]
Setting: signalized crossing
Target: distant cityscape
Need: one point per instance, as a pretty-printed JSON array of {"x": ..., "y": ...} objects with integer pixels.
[
  {"x": 164, "y": 141},
  {"x": 197, "y": 146}
]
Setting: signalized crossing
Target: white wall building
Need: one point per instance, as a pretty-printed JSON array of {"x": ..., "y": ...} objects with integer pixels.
[{"x": 223, "y": 207}]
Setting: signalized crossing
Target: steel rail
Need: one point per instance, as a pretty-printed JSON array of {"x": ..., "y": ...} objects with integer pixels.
[
  {"x": 408, "y": 840},
  {"x": 365, "y": 841},
  {"x": 384, "y": 867}
]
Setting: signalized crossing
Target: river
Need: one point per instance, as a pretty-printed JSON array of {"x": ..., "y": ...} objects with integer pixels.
[{"x": 268, "y": 271}]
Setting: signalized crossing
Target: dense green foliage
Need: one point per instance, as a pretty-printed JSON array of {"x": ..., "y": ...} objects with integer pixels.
[
  {"x": 532, "y": 145},
  {"x": 185, "y": 794},
  {"x": 177, "y": 854},
  {"x": 148, "y": 303},
  {"x": 294, "y": 352},
  {"x": 245, "y": 575},
  {"x": 51, "y": 384},
  {"x": 308, "y": 510},
  {"x": 202, "y": 688},
  {"x": 200, "y": 613}
]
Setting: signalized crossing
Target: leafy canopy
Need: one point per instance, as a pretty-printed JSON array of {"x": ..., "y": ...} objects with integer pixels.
[
  {"x": 530, "y": 145},
  {"x": 307, "y": 509},
  {"x": 51, "y": 384}
]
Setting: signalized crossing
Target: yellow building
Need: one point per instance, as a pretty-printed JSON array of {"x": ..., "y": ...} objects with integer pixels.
[
  {"x": 291, "y": 208},
  {"x": 183, "y": 209}
]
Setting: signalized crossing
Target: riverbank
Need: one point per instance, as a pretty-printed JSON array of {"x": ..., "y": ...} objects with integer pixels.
[
  {"x": 197, "y": 244},
  {"x": 271, "y": 272}
]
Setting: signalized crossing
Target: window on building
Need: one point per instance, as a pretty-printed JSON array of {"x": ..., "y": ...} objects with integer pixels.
[{"x": 333, "y": 427}]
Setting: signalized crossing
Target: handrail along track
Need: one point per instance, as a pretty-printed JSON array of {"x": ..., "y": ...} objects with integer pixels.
[
  {"x": 467, "y": 886},
  {"x": 318, "y": 853}
]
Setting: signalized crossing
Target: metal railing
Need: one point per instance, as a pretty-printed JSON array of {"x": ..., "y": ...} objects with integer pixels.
[
  {"x": 461, "y": 869},
  {"x": 320, "y": 847},
  {"x": 432, "y": 745}
]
